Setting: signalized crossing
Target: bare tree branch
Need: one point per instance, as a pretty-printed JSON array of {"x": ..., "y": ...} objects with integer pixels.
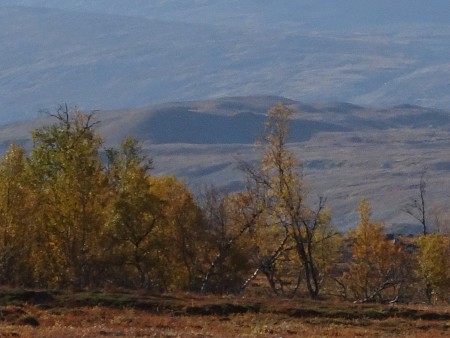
[{"x": 418, "y": 208}]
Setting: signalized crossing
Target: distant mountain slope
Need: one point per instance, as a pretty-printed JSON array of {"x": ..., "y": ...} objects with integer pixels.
[
  {"x": 325, "y": 13},
  {"x": 348, "y": 152},
  {"x": 112, "y": 53}
]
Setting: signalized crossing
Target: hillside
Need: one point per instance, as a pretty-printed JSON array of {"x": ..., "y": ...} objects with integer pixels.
[
  {"x": 109, "y": 54},
  {"x": 348, "y": 152}
]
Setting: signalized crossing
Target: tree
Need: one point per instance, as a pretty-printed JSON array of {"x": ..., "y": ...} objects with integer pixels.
[
  {"x": 294, "y": 225},
  {"x": 68, "y": 178},
  {"x": 228, "y": 220},
  {"x": 179, "y": 235},
  {"x": 434, "y": 264},
  {"x": 17, "y": 206},
  {"x": 134, "y": 213},
  {"x": 418, "y": 208},
  {"x": 328, "y": 247},
  {"x": 378, "y": 265}
]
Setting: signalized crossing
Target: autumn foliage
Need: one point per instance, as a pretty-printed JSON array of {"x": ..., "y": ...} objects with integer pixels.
[
  {"x": 76, "y": 215},
  {"x": 378, "y": 266}
]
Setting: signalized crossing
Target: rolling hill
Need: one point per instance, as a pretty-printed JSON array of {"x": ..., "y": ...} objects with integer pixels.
[{"x": 348, "y": 152}]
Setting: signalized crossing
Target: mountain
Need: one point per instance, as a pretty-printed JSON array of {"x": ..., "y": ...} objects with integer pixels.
[
  {"x": 348, "y": 152},
  {"x": 106, "y": 54}
]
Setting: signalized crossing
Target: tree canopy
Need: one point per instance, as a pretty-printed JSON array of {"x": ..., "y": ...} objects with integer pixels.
[{"x": 74, "y": 215}]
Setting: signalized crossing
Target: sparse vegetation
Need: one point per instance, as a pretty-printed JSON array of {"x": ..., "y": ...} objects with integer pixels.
[{"x": 192, "y": 315}]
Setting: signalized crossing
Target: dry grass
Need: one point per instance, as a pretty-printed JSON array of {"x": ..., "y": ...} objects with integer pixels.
[{"x": 228, "y": 317}]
